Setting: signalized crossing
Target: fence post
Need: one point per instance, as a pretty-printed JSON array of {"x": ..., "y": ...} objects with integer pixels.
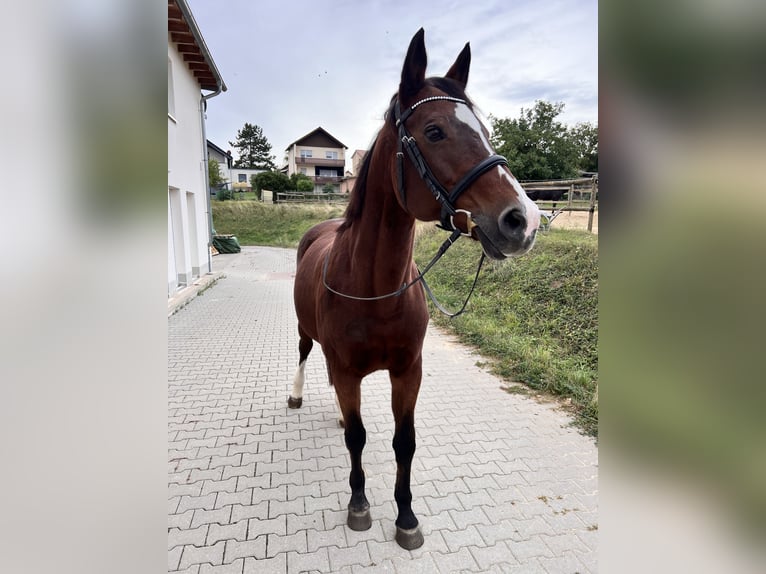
[{"x": 592, "y": 204}]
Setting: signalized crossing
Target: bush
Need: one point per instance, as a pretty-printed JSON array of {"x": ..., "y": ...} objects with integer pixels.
[
  {"x": 305, "y": 185},
  {"x": 256, "y": 189},
  {"x": 224, "y": 194}
]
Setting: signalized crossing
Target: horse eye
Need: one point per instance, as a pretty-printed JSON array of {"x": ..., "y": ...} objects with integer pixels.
[{"x": 434, "y": 133}]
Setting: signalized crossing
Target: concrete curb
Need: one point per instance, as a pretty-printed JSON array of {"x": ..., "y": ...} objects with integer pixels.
[{"x": 182, "y": 298}]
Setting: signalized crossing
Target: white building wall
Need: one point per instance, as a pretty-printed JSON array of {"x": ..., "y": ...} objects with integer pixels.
[
  {"x": 248, "y": 173},
  {"x": 187, "y": 195}
]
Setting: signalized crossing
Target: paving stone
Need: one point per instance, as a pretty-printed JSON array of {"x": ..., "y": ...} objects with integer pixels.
[
  {"x": 209, "y": 486},
  {"x": 455, "y": 561},
  {"x": 350, "y": 556},
  {"x": 235, "y": 567},
  {"x": 182, "y": 521},
  {"x": 221, "y": 516},
  {"x": 256, "y": 526},
  {"x": 277, "y": 543},
  {"x": 260, "y": 510},
  {"x": 205, "y": 554},
  {"x": 236, "y": 531},
  {"x": 317, "y": 561},
  {"x": 174, "y": 557},
  {"x": 501, "y": 482},
  {"x": 242, "y": 498},
  {"x": 193, "y": 502},
  {"x": 276, "y": 565},
  {"x": 195, "y": 536},
  {"x": 255, "y": 548},
  {"x": 325, "y": 538}
]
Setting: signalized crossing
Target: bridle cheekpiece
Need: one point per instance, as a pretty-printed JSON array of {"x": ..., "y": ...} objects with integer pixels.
[{"x": 447, "y": 199}]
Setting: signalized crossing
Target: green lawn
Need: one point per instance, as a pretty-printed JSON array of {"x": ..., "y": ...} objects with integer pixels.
[
  {"x": 535, "y": 318},
  {"x": 281, "y": 225}
]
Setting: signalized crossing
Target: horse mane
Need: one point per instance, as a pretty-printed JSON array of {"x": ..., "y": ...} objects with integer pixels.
[{"x": 356, "y": 202}]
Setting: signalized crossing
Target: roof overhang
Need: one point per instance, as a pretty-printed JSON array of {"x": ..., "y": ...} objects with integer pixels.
[{"x": 185, "y": 33}]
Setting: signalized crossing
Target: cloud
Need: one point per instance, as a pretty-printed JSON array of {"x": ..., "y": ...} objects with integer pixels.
[{"x": 293, "y": 66}]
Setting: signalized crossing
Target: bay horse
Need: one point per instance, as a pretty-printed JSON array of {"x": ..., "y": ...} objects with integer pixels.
[{"x": 357, "y": 290}]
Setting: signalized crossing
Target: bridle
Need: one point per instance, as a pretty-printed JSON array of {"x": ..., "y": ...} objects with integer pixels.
[{"x": 447, "y": 199}]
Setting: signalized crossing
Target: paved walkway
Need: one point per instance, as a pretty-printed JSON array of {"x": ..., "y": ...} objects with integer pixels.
[{"x": 501, "y": 483}]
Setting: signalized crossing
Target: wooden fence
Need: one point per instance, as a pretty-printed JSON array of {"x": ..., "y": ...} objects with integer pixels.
[
  {"x": 301, "y": 197},
  {"x": 579, "y": 194}
]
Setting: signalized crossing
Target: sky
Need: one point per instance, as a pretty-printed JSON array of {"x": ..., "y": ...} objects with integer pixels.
[{"x": 291, "y": 66}]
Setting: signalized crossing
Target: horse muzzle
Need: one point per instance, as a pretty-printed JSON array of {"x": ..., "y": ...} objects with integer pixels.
[{"x": 511, "y": 234}]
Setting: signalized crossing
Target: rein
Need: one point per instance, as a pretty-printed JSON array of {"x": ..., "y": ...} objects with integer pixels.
[
  {"x": 456, "y": 233},
  {"x": 447, "y": 199}
]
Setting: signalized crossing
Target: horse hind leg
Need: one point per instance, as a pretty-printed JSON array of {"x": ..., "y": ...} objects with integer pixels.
[{"x": 295, "y": 400}]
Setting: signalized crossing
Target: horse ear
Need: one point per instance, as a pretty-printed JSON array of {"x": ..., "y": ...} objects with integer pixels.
[
  {"x": 414, "y": 70},
  {"x": 459, "y": 70}
]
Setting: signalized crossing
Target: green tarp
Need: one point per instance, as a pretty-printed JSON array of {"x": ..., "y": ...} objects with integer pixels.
[{"x": 226, "y": 244}]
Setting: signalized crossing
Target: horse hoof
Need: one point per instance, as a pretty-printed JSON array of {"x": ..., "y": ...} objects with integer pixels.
[
  {"x": 409, "y": 539},
  {"x": 359, "y": 520},
  {"x": 294, "y": 403}
]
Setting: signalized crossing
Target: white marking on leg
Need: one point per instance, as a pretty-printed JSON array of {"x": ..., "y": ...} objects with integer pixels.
[{"x": 298, "y": 381}]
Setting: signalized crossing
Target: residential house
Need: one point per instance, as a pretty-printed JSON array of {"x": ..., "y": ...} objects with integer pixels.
[
  {"x": 240, "y": 176},
  {"x": 192, "y": 80},
  {"x": 319, "y": 156},
  {"x": 233, "y": 175},
  {"x": 347, "y": 185},
  {"x": 223, "y": 158}
]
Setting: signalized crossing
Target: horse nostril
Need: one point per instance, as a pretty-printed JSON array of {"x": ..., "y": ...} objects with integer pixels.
[{"x": 513, "y": 220}]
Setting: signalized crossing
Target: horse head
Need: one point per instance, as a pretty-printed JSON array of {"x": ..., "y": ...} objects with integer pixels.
[{"x": 453, "y": 174}]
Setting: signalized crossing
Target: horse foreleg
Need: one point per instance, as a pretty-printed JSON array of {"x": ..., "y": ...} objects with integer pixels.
[
  {"x": 295, "y": 400},
  {"x": 348, "y": 394},
  {"x": 404, "y": 394}
]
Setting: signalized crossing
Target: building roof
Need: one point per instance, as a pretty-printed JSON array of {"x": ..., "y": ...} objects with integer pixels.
[
  {"x": 216, "y": 148},
  {"x": 314, "y": 138},
  {"x": 191, "y": 45}
]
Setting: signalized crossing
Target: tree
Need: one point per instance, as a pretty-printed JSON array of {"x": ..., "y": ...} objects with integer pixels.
[
  {"x": 215, "y": 177},
  {"x": 585, "y": 137},
  {"x": 253, "y": 149},
  {"x": 536, "y": 145},
  {"x": 275, "y": 181}
]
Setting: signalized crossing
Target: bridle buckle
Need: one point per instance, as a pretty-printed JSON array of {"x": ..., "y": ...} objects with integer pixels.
[{"x": 469, "y": 222}]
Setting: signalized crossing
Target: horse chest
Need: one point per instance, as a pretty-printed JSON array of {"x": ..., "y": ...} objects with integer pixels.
[{"x": 373, "y": 344}]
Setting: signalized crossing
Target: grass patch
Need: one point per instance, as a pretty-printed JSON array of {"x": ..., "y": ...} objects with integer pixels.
[
  {"x": 280, "y": 225},
  {"x": 536, "y": 317}
]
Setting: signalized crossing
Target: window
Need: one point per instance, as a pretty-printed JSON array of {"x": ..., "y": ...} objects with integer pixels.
[
  {"x": 331, "y": 155},
  {"x": 328, "y": 173},
  {"x": 307, "y": 153},
  {"x": 303, "y": 171},
  {"x": 242, "y": 177}
]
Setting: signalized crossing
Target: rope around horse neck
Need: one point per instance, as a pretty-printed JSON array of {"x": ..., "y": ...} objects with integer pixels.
[{"x": 421, "y": 277}]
